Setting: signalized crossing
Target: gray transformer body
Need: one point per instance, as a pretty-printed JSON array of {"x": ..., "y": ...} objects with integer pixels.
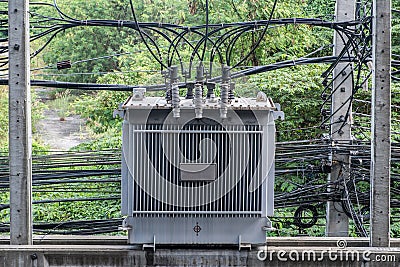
[{"x": 188, "y": 180}]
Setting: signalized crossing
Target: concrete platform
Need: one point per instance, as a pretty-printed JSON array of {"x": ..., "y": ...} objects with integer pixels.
[
  {"x": 300, "y": 241},
  {"x": 112, "y": 251}
]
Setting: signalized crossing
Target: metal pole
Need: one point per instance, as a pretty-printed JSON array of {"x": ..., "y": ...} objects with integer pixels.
[
  {"x": 20, "y": 133},
  {"x": 380, "y": 132},
  {"x": 337, "y": 220}
]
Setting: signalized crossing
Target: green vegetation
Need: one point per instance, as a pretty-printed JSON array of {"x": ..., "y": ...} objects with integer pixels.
[
  {"x": 3, "y": 117},
  {"x": 61, "y": 104},
  {"x": 37, "y": 109},
  {"x": 132, "y": 67},
  {"x": 297, "y": 90}
]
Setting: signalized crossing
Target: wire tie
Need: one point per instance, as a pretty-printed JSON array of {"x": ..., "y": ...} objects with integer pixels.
[
  {"x": 120, "y": 24},
  {"x": 294, "y": 21}
]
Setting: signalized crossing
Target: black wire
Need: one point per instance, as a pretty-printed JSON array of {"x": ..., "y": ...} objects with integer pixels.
[
  {"x": 206, "y": 35},
  {"x": 261, "y": 38},
  {"x": 159, "y": 60}
]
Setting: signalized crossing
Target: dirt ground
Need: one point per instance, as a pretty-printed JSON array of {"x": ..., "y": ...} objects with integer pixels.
[{"x": 61, "y": 135}]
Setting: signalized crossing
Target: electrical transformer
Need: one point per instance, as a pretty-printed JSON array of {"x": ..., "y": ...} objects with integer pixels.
[{"x": 198, "y": 171}]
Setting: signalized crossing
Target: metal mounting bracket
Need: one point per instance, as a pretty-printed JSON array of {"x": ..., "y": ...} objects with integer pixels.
[
  {"x": 243, "y": 245},
  {"x": 150, "y": 246},
  {"x": 125, "y": 226}
]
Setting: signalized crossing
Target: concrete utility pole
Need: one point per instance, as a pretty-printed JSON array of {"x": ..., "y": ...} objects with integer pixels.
[
  {"x": 20, "y": 132},
  {"x": 380, "y": 132},
  {"x": 337, "y": 220}
]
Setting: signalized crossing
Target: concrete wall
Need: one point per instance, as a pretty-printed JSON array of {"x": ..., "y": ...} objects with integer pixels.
[{"x": 117, "y": 255}]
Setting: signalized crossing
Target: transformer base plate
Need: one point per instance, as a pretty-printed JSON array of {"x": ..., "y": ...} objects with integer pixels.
[{"x": 197, "y": 230}]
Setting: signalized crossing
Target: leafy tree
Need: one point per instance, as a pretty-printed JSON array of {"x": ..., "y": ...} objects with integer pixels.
[
  {"x": 85, "y": 46},
  {"x": 80, "y": 44},
  {"x": 298, "y": 91}
]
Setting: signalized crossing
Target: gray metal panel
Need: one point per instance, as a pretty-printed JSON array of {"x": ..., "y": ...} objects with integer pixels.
[
  {"x": 147, "y": 181},
  {"x": 191, "y": 172},
  {"x": 192, "y": 230},
  {"x": 270, "y": 191},
  {"x": 163, "y": 116},
  {"x": 239, "y": 103},
  {"x": 233, "y": 203},
  {"x": 124, "y": 188},
  {"x": 124, "y": 176}
]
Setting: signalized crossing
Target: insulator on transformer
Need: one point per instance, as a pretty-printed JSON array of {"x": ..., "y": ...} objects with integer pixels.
[
  {"x": 189, "y": 93},
  {"x": 210, "y": 90},
  {"x": 224, "y": 100},
  {"x": 198, "y": 101},
  {"x": 231, "y": 95},
  {"x": 175, "y": 100}
]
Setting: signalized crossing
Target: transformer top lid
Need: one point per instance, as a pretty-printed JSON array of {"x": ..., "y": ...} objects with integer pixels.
[{"x": 238, "y": 103}]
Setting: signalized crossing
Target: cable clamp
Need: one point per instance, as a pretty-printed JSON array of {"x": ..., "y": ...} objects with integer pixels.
[{"x": 120, "y": 24}]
